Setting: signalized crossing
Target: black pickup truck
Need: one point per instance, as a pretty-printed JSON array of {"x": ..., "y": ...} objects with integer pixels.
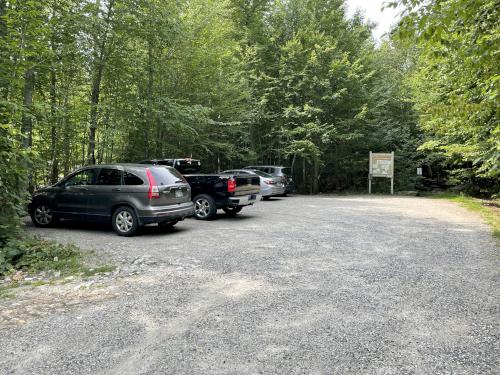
[{"x": 210, "y": 192}]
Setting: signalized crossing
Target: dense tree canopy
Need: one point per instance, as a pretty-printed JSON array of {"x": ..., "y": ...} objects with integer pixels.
[
  {"x": 456, "y": 84},
  {"x": 237, "y": 82}
]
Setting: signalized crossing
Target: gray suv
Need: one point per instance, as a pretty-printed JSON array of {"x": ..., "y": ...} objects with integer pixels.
[{"x": 127, "y": 195}]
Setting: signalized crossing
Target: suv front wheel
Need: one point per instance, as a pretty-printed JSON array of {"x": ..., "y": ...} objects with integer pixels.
[
  {"x": 125, "y": 221},
  {"x": 42, "y": 215}
]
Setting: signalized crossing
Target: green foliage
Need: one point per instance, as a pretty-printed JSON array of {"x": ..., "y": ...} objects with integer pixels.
[
  {"x": 14, "y": 163},
  {"x": 34, "y": 254},
  {"x": 456, "y": 84}
]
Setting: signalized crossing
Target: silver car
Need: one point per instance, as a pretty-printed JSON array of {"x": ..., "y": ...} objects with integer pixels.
[
  {"x": 270, "y": 186},
  {"x": 277, "y": 171}
]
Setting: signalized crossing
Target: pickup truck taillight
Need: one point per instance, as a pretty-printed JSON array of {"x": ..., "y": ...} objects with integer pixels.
[
  {"x": 231, "y": 186},
  {"x": 153, "y": 191}
]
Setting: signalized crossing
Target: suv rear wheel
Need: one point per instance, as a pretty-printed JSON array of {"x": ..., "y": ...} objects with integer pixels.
[
  {"x": 204, "y": 207},
  {"x": 125, "y": 221}
]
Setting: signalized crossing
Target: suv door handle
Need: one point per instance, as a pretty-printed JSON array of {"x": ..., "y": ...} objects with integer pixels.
[{"x": 116, "y": 189}]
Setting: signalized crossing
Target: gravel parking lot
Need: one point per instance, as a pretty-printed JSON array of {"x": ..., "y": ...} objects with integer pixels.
[{"x": 315, "y": 285}]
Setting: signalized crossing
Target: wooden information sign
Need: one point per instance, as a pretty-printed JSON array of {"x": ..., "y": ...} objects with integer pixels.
[{"x": 381, "y": 165}]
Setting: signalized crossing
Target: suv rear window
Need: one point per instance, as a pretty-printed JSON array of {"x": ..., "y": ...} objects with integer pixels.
[
  {"x": 131, "y": 179},
  {"x": 109, "y": 176},
  {"x": 287, "y": 171},
  {"x": 166, "y": 175}
]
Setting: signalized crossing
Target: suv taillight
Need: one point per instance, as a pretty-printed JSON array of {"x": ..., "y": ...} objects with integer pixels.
[
  {"x": 153, "y": 188},
  {"x": 231, "y": 186}
]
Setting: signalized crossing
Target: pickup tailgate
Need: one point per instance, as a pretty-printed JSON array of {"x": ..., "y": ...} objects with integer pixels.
[{"x": 246, "y": 185}]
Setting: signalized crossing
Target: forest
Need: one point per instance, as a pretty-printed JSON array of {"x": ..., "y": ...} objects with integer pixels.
[{"x": 239, "y": 82}]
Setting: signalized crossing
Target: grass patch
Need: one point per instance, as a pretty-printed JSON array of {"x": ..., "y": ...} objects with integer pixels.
[
  {"x": 33, "y": 255},
  {"x": 94, "y": 271},
  {"x": 54, "y": 261},
  {"x": 486, "y": 208},
  {"x": 6, "y": 292}
]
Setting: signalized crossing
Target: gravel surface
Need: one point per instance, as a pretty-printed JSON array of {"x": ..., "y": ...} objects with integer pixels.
[{"x": 316, "y": 285}]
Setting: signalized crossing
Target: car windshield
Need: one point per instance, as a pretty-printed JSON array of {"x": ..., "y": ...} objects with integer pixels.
[
  {"x": 263, "y": 174},
  {"x": 166, "y": 175}
]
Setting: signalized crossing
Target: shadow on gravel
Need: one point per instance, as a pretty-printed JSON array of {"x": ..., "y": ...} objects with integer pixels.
[
  {"x": 238, "y": 218},
  {"x": 150, "y": 230},
  {"x": 154, "y": 230},
  {"x": 273, "y": 199}
]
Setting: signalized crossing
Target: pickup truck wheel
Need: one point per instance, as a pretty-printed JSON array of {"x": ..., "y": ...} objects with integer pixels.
[
  {"x": 204, "y": 207},
  {"x": 232, "y": 211},
  {"x": 125, "y": 221}
]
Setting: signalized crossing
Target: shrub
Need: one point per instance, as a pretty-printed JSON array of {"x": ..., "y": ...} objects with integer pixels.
[
  {"x": 35, "y": 254},
  {"x": 14, "y": 172}
]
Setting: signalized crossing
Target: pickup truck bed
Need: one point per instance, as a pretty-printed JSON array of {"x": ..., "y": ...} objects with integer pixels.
[{"x": 211, "y": 192}]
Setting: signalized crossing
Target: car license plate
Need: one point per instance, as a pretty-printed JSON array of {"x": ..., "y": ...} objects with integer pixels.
[{"x": 179, "y": 193}]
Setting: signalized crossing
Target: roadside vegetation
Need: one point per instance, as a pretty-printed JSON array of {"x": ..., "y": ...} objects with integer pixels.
[
  {"x": 489, "y": 209},
  {"x": 33, "y": 261},
  {"x": 34, "y": 255}
]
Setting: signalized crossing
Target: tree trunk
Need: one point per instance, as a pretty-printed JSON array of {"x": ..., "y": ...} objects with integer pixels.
[
  {"x": 304, "y": 185},
  {"x": 96, "y": 87},
  {"x": 149, "y": 94},
  {"x": 54, "y": 173},
  {"x": 104, "y": 139},
  {"x": 293, "y": 163},
  {"x": 66, "y": 140},
  {"x": 315, "y": 177},
  {"x": 94, "y": 102},
  {"x": 27, "y": 119},
  {"x": 4, "y": 79},
  {"x": 3, "y": 11}
]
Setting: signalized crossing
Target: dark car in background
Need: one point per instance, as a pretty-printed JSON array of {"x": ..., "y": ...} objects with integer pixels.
[
  {"x": 127, "y": 195},
  {"x": 229, "y": 192},
  {"x": 278, "y": 171}
]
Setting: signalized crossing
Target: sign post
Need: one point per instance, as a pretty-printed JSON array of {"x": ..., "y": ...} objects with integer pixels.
[{"x": 381, "y": 165}]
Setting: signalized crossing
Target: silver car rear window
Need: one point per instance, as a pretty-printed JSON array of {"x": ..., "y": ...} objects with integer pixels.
[{"x": 263, "y": 174}]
